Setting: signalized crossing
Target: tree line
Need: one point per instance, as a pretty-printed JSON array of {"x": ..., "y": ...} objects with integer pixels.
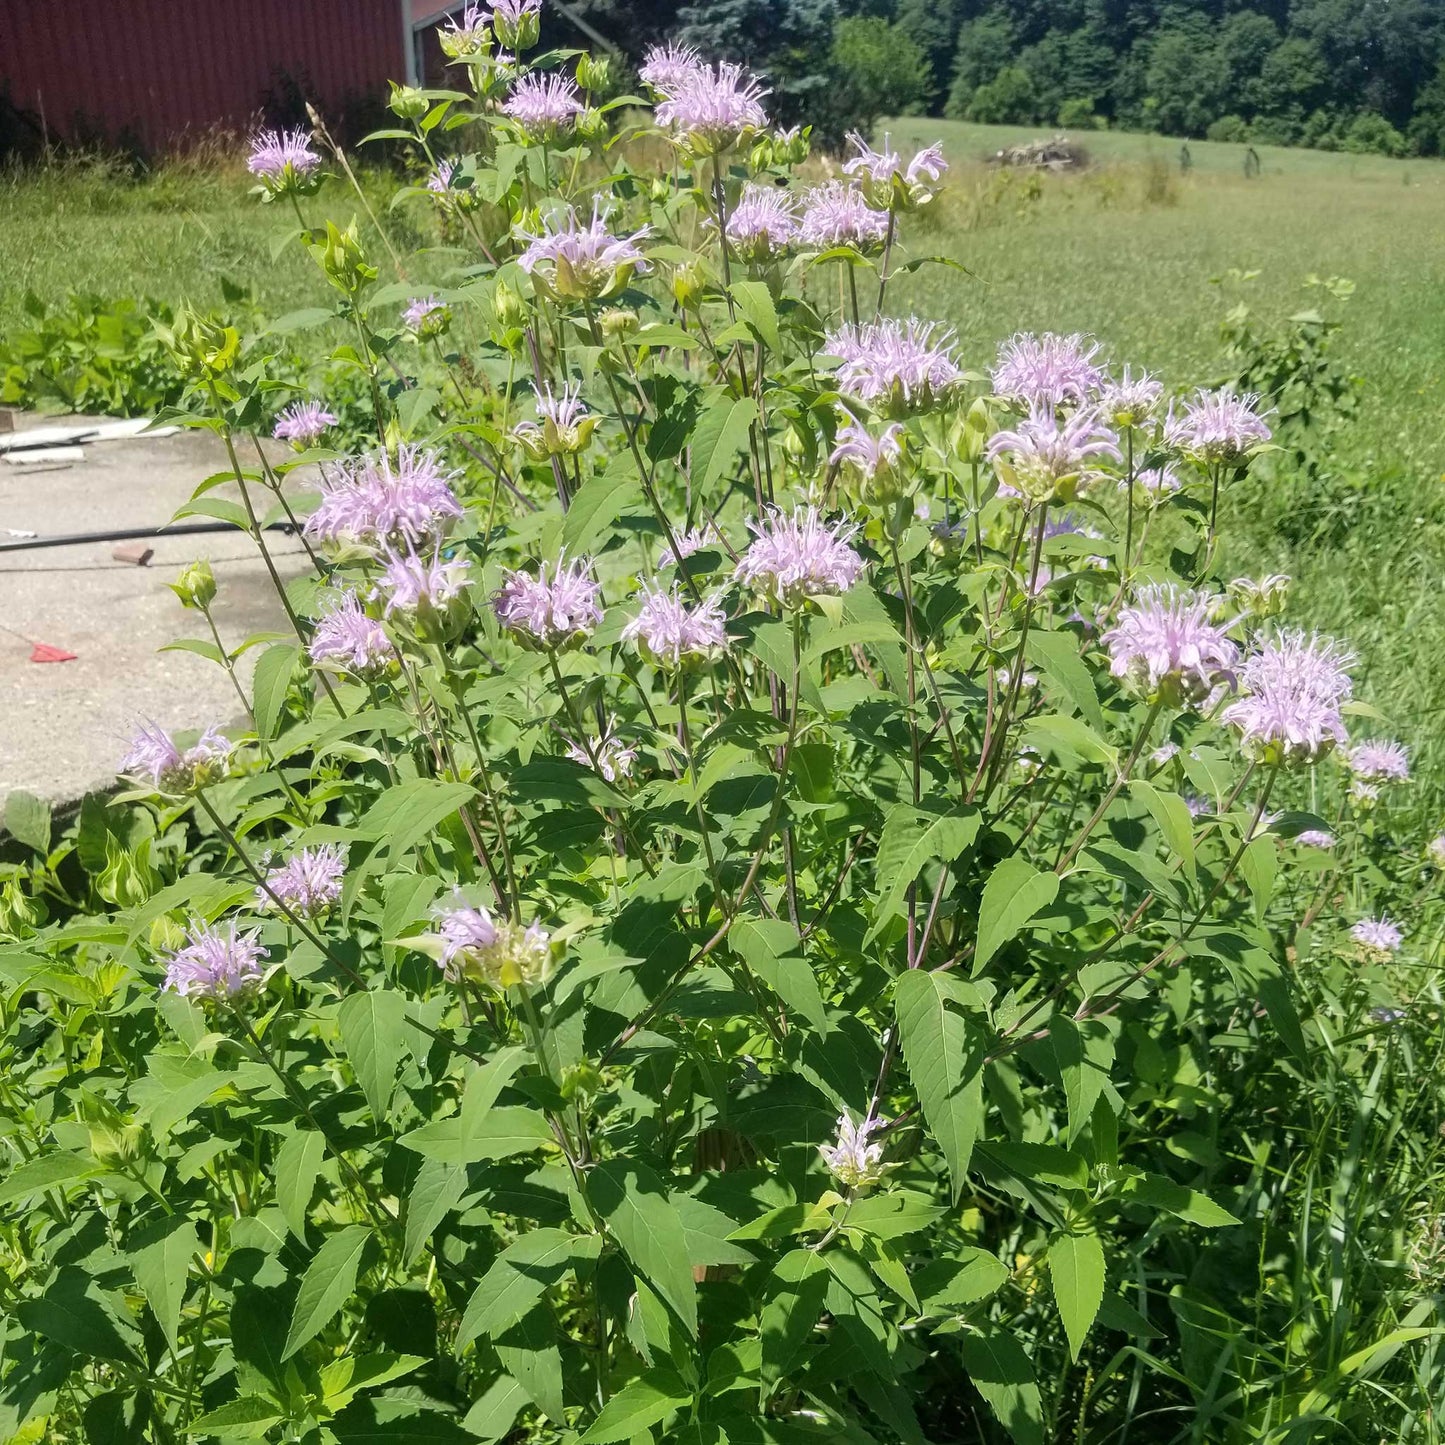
[{"x": 1337, "y": 74}]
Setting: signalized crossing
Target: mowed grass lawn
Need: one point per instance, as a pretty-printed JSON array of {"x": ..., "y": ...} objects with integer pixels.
[{"x": 1129, "y": 250}]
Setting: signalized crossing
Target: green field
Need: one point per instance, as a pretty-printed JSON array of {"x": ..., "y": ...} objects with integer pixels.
[
  {"x": 1096, "y": 253},
  {"x": 1131, "y": 249}
]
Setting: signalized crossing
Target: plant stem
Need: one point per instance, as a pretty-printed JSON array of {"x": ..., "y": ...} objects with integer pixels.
[
  {"x": 1140, "y": 738},
  {"x": 887, "y": 255}
]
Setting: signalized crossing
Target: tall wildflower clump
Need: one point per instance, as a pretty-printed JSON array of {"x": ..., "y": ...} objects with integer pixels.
[{"x": 717, "y": 913}]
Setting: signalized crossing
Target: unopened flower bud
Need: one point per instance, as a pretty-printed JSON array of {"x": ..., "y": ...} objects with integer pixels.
[
  {"x": 594, "y": 72},
  {"x": 877, "y": 466},
  {"x": 689, "y": 283},
  {"x": 427, "y": 318},
  {"x": 466, "y": 37},
  {"x": 19, "y": 917},
  {"x": 201, "y": 347},
  {"x": 971, "y": 432},
  {"x": 581, "y": 1082},
  {"x": 166, "y": 935},
  {"x": 114, "y": 1139},
  {"x": 472, "y": 945},
  {"x": 791, "y": 147},
  {"x": 407, "y": 102},
  {"x": 196, "y": 586},
  {"x": 563, "y": 427},
  {"x": 856, "y": 1160},
  {"x": 508, "y": 306},
  {"x": 591, "y": 124},
  {"x": 947, "y": 540},
  {"x": 517, "y": 23},
  {"x": 618, "y": 322},
  {"x": 342, "y": 259},
  {"x": 1266, "y": 597}
]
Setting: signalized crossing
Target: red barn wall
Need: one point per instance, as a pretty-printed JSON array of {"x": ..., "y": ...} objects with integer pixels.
[{"x": 160, "y": 68}]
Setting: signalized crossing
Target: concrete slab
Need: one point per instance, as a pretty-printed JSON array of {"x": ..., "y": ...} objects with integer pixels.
[{"x": 63, "y": 725}]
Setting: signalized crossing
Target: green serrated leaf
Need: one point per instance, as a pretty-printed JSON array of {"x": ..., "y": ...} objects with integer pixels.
[
  {"x": 329, "y": 1281},
  {"x": 600, "y": 502},
  {"x": 48, "y": 1171},
  {"x": 1076, "y": 1265},
  {"x": 27, "y": 820},
  {"x": 387, "y": 1421},
  {"x": 403, "y": 816},
  {"x": 755, "y": 301},
  {"x": 1258, "y": 865},
  {"x": 1004, "y": 1375},
  {"x": 1171, "y": 814},
  {"x": 372, "y": 1025},
  {"x": 512, "y": 1129},
  {"x": 518, "y": 1278},
  {"x": 438, "y": 1190},
  {"x": 633, "y": 1201},
  {"x": 530, "y": 1354},
  {"x": 1084, "y": 1053},
  {"x": 773, "y": 951},
  {"x": 794, "y": 1301},
  {"x": 246, "y": 1418},
  {"x": 636, "y": 1407},
  {"x": 76, "y": 1313},
  {"x": 912, "y": 838},
  {"x": 1056, "y": 655},
  {"x": 496, "y": 1412},
  {"x": 1177, "y": 1199},
  {"x": 269, "y": 686},
  {"x": 298, "y": 1165},
  {"x": 945, "y": 1063},
  {"x": 970, "y": 1275},
  {"x": 720, "y": 434},
  {"x": 1014, "y": 893},
  {"x": 1068, "y": 738},
  {"x": 161, "y": 1267}
]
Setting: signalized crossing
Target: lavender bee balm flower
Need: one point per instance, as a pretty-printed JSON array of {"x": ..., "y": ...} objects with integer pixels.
[
  {"x": 837, "y": 215},
  {"x": 1218, "y": 426},
  {"x": 1168, "y": 649},
  {"x": 303, "y": 423},
  {"x": 283, "y": 161},
  {"x": 669, "y": 634},
  {"x": 543, "y": 106},
  {"x": 474, "y": 945},
  {"x": 550, "y": 611},
  {"x": 794, "y": 558},
  {"x": 711, "y": 109},
  {"x": 1293, "y": 687},
  {"x": 155, "y": 754},
  {"x": 373, "y": 500},
  {"x": 348, "y": 639},
  {"x": 582, "y": 263},
  {"x": 1048, "y": 371},
  {"x": 307, "y": 884},
  {"x": 215, "y": 966},
  {"x": 895, "y": 366},
  {"x": 887, "y": 182},
  {"x": 763, "y": 224},
  {"x": 1378, "y": 938}
]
